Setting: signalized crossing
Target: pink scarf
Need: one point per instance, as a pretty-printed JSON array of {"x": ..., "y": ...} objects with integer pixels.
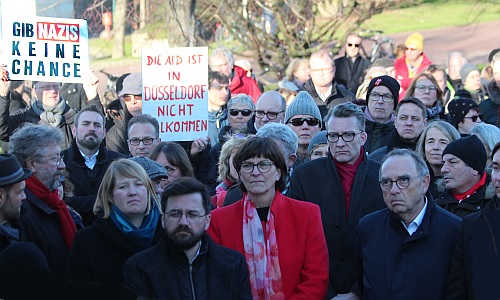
[{"x": 261, "y": 254}]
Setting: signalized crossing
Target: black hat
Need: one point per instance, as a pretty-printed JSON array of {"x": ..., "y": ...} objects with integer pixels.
[
  {"x": 11, "y": 171},
  {"x": 458, "y": 108},
  {"x": 470, "y": 150},
  {"x": 387, "y": 81}
]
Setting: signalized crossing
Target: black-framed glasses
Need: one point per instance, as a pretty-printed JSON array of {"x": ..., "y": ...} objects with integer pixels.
[
  {"x": 355, "y": 45},
  {"x": 474, "y": 118},
  {"x": 385, "y": 97},
  {"x": 263, "y": 167},
  {"x": 170, "y": 170},
  {"x": 423, "y": 88},
  {"x": 402, "y": 183},
  {"x": 300, "y": 121},
  {"x": 244, "y": 112},
  {"x": 334, "y": 137},
  {"x": 271, "y": 115},
  {"x": 192, "y": 217},
  {"x": 145, "y": 141}
]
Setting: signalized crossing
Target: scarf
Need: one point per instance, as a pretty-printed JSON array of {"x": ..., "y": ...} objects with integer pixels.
[
  {"x": 369, "y": 117},
  {"x": 396, "y": 142},
  {"x": 261, "y": 254},
  {"x": 472, "y": 190},
  {"x": 51, "y": 198},
  {"x": 221, "y": 191},
  {"x": 434, "y": 112},
  {"x": 52, "y": 115},
  {"x": 142, "y": 236},
  {"x": 347, "y": 173},
  {"x": 11, "y": 233}
]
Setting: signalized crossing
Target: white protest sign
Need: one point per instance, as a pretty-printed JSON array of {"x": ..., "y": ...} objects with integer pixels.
[
  {"x": 45, "y": 49},
  {"x": 175, "y": 91},
  {"x": 11, "y": 8}
]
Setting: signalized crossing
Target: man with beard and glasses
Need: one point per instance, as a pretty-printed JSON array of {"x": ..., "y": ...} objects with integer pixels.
[
  {"x": 46, "y": 220},
  {"x": 86, "y": 160},
  {"x": 186, "y": 263}
]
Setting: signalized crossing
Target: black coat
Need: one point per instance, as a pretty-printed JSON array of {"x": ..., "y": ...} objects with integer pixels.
[
  {"x": 9, "y": 123},
  {"x": 158, "y": 273},
  {"x": 394, "y": 141},
  {"x": 475, "y": 267},
  {"x": 340, "y": 94},
  {"x": 318, "y": 182},
  {"x": 378, "y": 135},
  {"x": 349, "y": 73},
  {"x": 490, "y": 108},
  {"x": 100, "y": 251},
  {"x": 85, "y": 180},
  {"x": 391, "y": 264}
]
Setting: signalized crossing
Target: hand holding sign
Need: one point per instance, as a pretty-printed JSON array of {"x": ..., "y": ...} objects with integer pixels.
[
  {"x": 199, "y": 145},
  {"x": 91, "y": 84},
  {"x": 5, "y": 84}
]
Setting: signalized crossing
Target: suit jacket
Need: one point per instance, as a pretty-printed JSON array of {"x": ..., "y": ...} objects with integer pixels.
[
  {"x": 318, "y": 182},
  {"x": 152, "y": 273},
  {"x": 302, "y": 253}
]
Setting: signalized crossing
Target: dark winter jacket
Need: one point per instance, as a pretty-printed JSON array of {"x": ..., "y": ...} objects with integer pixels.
[
  {"x": 340, "y": 94},
  {"x": 394, "y": 141},
  {"x": 378, "y": 134},
  {"x": 391, "y": 264},
  {"x": 85, "y": 180},
  {"x": 100, "y": 251},
  {"x": 490, "y": 108},
  {"x": 162, "y": 272},
  {"x": 349, "y": 73},
  {"x": 9, "y": 123},
  {"x": 318, "y": 182},
  {"x": 475, "y": 267},
  {"x": 75, "y": 96},
  {"x": 474, "y": 203}
]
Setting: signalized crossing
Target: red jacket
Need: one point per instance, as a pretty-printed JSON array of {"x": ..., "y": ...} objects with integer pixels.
[
  {"x": 302, "y": 250},
  {"x": 242, "y": 84},
  {"x": 402, "y": 73}
]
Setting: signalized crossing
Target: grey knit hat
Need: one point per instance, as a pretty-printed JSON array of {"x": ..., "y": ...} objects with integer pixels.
[
  {"x": 465, "y": 70},
  {"x": 303, "y": 104},
  {"x": 154, "y": 169},
  {"x": 318, "y": 139}
]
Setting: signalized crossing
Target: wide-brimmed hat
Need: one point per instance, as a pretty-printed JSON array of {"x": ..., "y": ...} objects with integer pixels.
[{"x": 11, "y": 171}]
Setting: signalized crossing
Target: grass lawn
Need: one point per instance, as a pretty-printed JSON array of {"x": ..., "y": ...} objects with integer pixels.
[{"x": 428, "y": 14}]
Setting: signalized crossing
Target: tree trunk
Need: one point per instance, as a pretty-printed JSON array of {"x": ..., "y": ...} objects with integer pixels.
[
  {"x": 118, "y": 50},
  {"x": 181, "y": 23}
]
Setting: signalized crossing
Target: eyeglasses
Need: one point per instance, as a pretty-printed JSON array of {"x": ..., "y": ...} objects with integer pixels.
[
  {"x": 271, "y": 115},
  {"x": 244, "y": 112},
  {"x": 355, "y": 45},
  {"x": 318, "y": 71},
  {"x": 300, "y": 121},
  {"x": 402, "y": 183},
  {"x": 385, "y": 97},
  {"x": 128, "y": 98},
  {"x": 50, "y": 87},
  {"x": 175, "y": 215},
  {"x": 474, "y": 118},
  {"x": 56, "y": 159},
  {"x": 216, "y": 67},
  {"x": 263, "y": 167},
  {"x": 333, "y": 137},
  {"x": 422, "y": 88},
  {"x": 145, "y": 141},
  {"x": 170, "y": 170}
]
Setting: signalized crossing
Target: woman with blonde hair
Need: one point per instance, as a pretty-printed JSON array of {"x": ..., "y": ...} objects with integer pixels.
[
  {"x": 297, "y": 73},
  {"x": 128, "y": 221}
]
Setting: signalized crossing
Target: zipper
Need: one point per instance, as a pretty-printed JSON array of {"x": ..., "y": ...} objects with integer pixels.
[{"x": 191, "y": 280}]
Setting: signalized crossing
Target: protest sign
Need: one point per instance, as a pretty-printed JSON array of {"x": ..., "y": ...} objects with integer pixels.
[
  {"x": 45, "y": 49},
  {"x": 175, "y": 91}
]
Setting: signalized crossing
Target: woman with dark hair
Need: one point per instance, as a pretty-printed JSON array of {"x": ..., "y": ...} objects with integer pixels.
[
  {"x": 281, "y": 238},
  {"x": 128, "y": 221},
  {"x": 175, "y": 160},
  {"x": 425, "y": 87}
]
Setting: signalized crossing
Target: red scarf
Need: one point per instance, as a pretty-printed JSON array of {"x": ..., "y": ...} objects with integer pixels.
[
  {"x": 472, "y": 190},
  {"x": 67, "y": 225},
  {"x": 347, "y": 173}
]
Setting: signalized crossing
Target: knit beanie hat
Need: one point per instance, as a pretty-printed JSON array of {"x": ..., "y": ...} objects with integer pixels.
[
  {"x": 318, "y": 139},
  {"x": 465, "y": 70},
  {"x": 458, "y": 108},
  {"x": 470, "y": 150},
  {"x": 387, "y": 81},
  {"x": 415, "y": 40},
  {"x": 154, "y": 169},
  {"x": 303, "y": 104}
]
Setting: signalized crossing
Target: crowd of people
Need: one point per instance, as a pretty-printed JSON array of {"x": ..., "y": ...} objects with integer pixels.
[{"x": 352, "y": 180}]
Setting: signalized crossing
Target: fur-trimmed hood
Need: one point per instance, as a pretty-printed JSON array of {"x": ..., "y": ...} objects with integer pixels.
[{"x": 489, "y": 192}]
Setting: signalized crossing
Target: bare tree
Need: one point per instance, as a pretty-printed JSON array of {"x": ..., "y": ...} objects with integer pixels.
[{"x": 118, "y": 50}]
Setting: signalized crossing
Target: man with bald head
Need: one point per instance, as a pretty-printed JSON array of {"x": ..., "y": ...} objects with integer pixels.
[{"x": 270, "y": 108}]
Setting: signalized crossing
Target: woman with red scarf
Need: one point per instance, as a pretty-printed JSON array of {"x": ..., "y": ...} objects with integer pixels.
[{"x": 282, "y": 239}]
